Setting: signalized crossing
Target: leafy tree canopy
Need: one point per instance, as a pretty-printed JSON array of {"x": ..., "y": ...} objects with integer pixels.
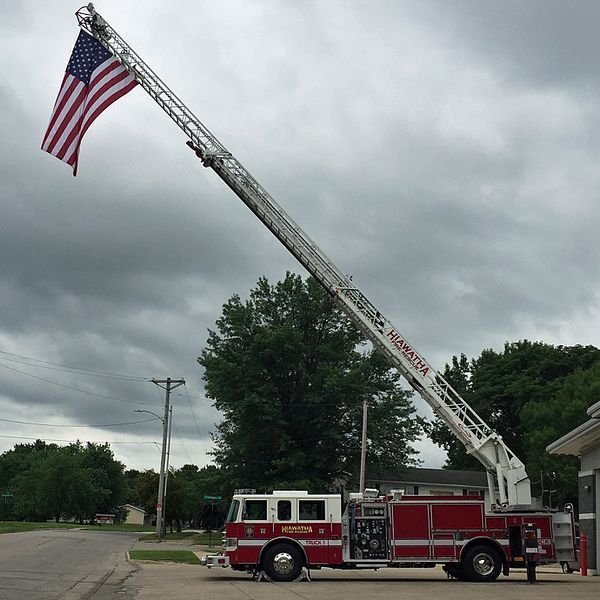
[
  {"x": 72, "y": 482},
  {"x": 531, "y": 393},
  {"x": 290, "y": 372}
]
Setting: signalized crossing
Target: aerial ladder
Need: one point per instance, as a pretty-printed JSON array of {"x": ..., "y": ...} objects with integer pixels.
[{"x": 508, "y": 483}]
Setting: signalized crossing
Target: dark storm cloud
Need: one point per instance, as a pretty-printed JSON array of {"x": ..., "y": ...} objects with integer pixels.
[
  {"x": 539, "y": 42},
  {"x": 444, "y": 154}
]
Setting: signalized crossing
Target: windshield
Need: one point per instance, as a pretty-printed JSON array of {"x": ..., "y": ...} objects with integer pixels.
[{"x": 233, "y": 511}]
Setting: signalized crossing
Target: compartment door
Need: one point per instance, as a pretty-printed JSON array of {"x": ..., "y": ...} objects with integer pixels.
[{"x": 410, "y": 531}]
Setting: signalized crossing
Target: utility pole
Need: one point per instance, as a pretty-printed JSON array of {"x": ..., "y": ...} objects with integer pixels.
[
  {"x": 166, "y": 384},
  {"x": 363, "y": 448},
  {"x": 164, "y": 500}
]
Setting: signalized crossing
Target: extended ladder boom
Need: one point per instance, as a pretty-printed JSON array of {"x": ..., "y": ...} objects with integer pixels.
[{"x": 480, "y": 440}]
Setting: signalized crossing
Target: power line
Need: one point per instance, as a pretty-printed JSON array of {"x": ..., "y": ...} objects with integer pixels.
[
  {"x": 181, "y": 442},
  {"x": 68, "y": 387},
  {"x": 20, "y": 359},
  {"x": 192, "y": 410},
  {"x": 358, "y": 402},
  {"x": 64, "y": 425},
  {"x": 22, "y": 437}
]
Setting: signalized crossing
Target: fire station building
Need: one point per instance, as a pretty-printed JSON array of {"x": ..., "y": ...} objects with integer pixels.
[
  {"x": 432, "y": 482},
  {"x": 584, "y": 441}
]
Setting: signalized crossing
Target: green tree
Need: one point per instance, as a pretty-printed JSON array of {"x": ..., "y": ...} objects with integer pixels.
[
  {"x": 59, "y": 486},
  {"x": 531, "y": 394},
  {"x": 183, "y": 501},
  {"x": 553, "y": 417},
  {"x": 74, "y": 481},
  {"x": 109, "y": 474},
  {"x": 20, "y": 459},
  {"x": 289, "y": 372},
  {"x": 142, "y": 489}
]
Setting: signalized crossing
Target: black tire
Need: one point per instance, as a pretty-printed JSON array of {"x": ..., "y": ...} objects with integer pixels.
[
  {"x": 282, "y": 562},
  {"x": 481, "y": 563}
]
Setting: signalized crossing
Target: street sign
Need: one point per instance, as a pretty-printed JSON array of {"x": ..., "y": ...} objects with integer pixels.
[
  {"x": 7, "y": 495},
  {"x": 213, "y": 497}
]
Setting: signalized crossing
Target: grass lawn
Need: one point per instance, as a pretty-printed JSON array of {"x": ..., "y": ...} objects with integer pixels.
[
  {"x": 200, "y": 539},
  {"x": 20, "y": 526},
  {"x": 214, "y": 540},
  {"x": 178, "y": 556},
  {"x": 176, "y": 535}
]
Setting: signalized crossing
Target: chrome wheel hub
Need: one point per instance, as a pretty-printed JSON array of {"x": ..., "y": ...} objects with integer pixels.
[
  {"x": 283, "y": 563},
  {"x": 483, "y": 563}
]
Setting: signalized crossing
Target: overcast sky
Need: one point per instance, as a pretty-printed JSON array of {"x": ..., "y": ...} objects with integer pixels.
[{"x": 446, "y": 154}]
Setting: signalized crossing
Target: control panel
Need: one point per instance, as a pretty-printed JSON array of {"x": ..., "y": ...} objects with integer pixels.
[{"x": 368, "y": 538}]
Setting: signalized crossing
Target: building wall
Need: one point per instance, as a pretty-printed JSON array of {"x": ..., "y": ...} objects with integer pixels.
[
  {"x": 589, "y": 491},
  {"x": 597, "y": 510},
  {"x": 134, "y": 517},
  {"x": 591, "y": 460}
]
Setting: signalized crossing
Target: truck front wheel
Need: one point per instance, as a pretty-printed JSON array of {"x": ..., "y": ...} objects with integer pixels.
[
  {"x": 481, "y": 563},
  {"x": 282, "y": 562}
]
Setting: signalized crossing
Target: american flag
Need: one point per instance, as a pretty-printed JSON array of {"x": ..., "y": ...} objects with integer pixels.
[{"x": 93, "y": 81}]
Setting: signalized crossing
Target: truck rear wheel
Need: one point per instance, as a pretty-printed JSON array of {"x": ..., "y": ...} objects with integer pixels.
[
  {"x": 481, "y": 563},
  {"x": 282, "y": 562}
]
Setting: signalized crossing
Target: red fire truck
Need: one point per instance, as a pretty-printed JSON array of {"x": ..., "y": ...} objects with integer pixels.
[
  {"x": 282, "y": 533},
  {"x": 286, "y": 531}
]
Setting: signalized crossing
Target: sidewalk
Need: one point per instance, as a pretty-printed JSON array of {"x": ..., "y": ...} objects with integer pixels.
[
  {"x": 184, "y": 544},
  {"x": 157, "y": 581}
]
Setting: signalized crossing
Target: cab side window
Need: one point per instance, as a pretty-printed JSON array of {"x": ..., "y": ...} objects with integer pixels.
[
  {"x": 284, "y": 510},
  {"x": 255, "y": 510},
  {"x": 311, "y": 510}
]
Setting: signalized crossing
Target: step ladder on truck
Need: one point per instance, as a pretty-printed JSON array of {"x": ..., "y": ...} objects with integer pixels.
[{"x": 282, "y": 533}]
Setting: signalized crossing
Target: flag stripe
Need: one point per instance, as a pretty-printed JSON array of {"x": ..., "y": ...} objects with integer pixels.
[
  {"x": 109, "y": 85},
  {"x": 103, "y": 70},
  {"x": 67, "y": 124},
  {"x": 74, "y": 140},
  {"x": 95, "y": 112},
  {"x": 72, "y": 87},
  {"x": 105, "y": 96},
  {"x": 91, "y": 116},
  {"x": 68, "y": 118},
  {"x": 61, "y": 94},
  {"x": 94, "y": 80},
  {"x": 105, "y": 89},
  {"x": 70, "y": 134}
]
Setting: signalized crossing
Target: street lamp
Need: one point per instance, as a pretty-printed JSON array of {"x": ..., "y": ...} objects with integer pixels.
[{"x": 164, "y": 470}]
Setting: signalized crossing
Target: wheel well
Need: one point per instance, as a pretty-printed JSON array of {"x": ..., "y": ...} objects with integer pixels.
[
  {"x": 490, "y": 543},
  {"x": 283, "y": 540}
]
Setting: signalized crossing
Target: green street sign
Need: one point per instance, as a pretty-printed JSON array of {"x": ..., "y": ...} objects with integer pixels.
[
  {"x": 213, "y": 497},
  {"x": 6, "y": 495}
]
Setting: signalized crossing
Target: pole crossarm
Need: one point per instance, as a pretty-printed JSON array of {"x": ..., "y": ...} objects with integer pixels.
[
  {"x": 163, "y": 383},
  {"x": 480, "y": 440}
]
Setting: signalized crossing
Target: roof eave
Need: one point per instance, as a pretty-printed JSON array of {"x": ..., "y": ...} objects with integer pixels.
[{"x": 577, "y": 441}]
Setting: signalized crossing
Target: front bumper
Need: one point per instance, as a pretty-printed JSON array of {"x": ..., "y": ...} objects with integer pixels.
[{"x": 215, "y": 560}]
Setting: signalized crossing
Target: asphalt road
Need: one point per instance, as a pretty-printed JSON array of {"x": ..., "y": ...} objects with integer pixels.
[
  {"x": 155, "y": 581},
  {"x": 87, "y": 565},
  {"x": 63, "y": 564}
]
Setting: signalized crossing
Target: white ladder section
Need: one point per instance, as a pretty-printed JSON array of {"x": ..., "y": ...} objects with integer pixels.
[{"x": 505, "y": 471}]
